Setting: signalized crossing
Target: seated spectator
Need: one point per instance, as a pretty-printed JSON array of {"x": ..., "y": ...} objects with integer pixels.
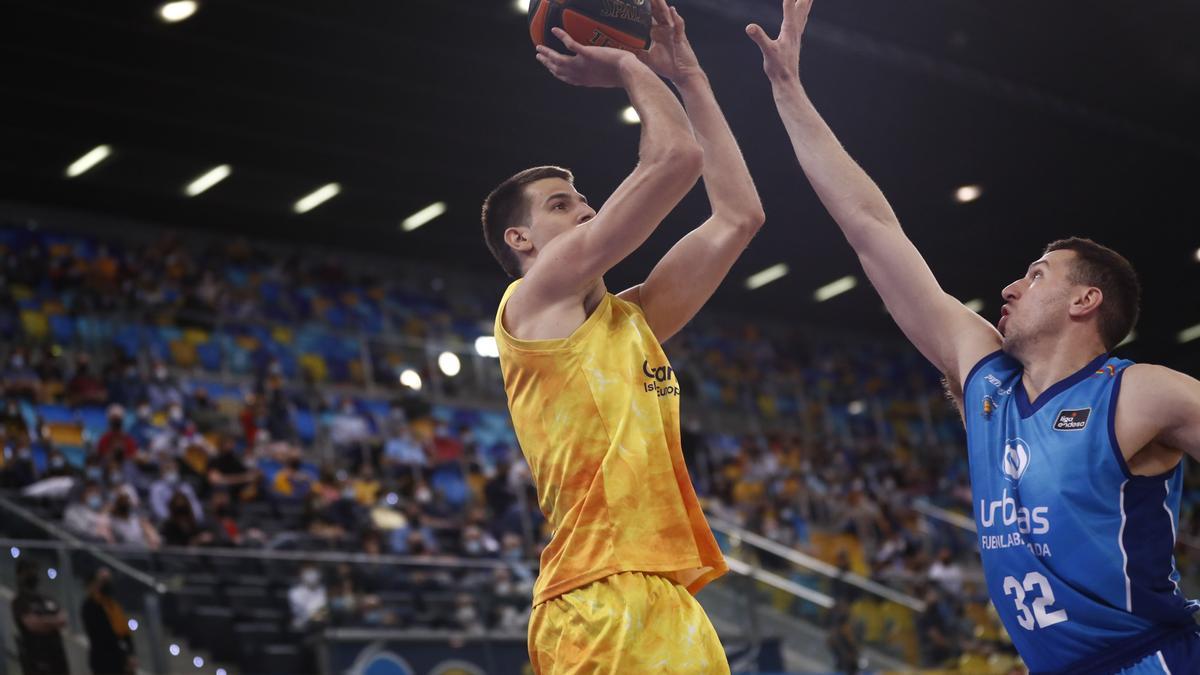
[
  {"x": 130, "y": 527},
  {"x": 18, "y": 470},
  {"x": 308, "y": 601},
  {"x": 87, "y": 517},
  {"x": 56, "y": 464},
  {"x": 225, "y": 526},
  {"x": 448, "y": 449},
  {"x": 366, "y": 486},
  {"x": 279, "y": 411},
  {"x": 477, "y": 543},
  {"x": 143, "y": 430},
  {"x": 127, "y": 386},
  {"x": 163, "y": 490},
  {"x": 19, "y": 379},
  {"x": 115, "y": 442},
  {"x": 402, "y": 453},
  {"x": 947, "y": 573},
  {"x": 226, "y": 471},
  {"x": 204, "y": 413},
  {"x": 84, "y": 388},
  {"x": 12, "y": 420},
  {"x": 163, "y": 391},
  {"x": 252, "y": 418},
  {"x": 349, "y": 431},
  {"x": 181, "y": 527},
  {"x": 293, "y": 480}
]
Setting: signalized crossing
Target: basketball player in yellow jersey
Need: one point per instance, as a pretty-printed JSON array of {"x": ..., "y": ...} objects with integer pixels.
[{"x": 593, "y": 398}]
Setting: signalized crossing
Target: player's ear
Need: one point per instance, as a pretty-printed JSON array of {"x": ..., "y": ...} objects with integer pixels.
[
  {"x": 1086, "y": 302},
  {"x": 518, "y": 239}
]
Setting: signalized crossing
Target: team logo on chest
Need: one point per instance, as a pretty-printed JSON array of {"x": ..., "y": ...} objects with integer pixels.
[
  {"x": 1016, "y": 459},
  {"x": 1072, "y": 420}
]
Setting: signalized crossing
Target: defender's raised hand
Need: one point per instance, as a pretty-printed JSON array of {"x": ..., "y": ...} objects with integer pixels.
[
  {"x": 670, "y": 54},
  {"x": 781, "y": 56},
  {"x": 589, "y": 67}
]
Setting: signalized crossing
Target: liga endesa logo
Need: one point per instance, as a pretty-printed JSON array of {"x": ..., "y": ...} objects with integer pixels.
[
  {"x": 1072, "y": 420},
  {"x": 661, "y": 379}
]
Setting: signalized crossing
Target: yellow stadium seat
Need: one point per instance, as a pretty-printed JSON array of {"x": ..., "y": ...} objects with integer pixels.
[
  {"x": 282, "y": 335},
  {"x": 247, "y": 342},
  {"x": 195, "y": 335},
  {"x": 35, "y": 324},
  {"x": 183, "y": 353},
  {"x": 314, "y": 365},
  {"x": 65, "y": 433}
]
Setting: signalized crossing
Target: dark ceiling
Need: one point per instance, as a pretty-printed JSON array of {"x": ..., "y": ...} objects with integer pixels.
[{"x": 1076, "y": 118}]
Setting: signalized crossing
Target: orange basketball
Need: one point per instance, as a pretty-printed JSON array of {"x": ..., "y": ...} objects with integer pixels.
[{"x": 624, "y": 24}]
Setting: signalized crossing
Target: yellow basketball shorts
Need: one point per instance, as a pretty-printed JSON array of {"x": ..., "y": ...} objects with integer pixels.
[{"x": 622, "y": 624}]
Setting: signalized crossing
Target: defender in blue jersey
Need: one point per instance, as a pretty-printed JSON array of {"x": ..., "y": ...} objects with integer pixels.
[{"x": 1075, "y": 457}]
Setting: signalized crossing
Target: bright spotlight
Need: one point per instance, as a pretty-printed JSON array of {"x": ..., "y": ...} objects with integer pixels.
[
  {"x": 409, "y": 378},
  {"x": 449, "y": 363},
  {"x": 316, "y": 198},
  {"x": 92, "y": 158},
  {"x": 968, "y": 193},
  {"x": 485, "y": 345},
  {"x": 630, "y": 116},
  {"x": 209, "y": 179},
  {"x": 174, "y": 12}
]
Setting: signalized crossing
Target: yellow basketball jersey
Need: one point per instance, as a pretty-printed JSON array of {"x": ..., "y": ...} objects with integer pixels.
[{"x": 597, "y": 416}]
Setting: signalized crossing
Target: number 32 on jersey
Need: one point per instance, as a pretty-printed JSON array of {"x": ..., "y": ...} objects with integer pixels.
[{"x": 1041, "y": 615}]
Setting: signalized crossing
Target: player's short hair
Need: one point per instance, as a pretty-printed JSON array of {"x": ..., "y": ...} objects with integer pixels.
[
  {"x": 1104, "y": 268},
  {"x": 506, "y": 206}
]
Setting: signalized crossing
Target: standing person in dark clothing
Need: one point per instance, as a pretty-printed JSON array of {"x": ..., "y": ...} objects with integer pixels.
[
  {"x": 107, "y": 628},
  {"x": 39, "y": 621}
]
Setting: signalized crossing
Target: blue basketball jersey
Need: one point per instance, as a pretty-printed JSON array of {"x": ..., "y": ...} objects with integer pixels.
[{"x": 1077, "y": 551}]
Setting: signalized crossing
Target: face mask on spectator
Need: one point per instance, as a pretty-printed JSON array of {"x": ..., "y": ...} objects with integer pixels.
[
  {"x": 116, "y": 477},
  {"x": 18, "y": 361},
  {"x": 114, "y": 424},
  {"x": 341, "y": 603},
  {"x": 176, "y": 414},
  {"x": 94, "y": 473},
  {"x": 144, "y": 412},
  {"x": 24, "y": 454},
  {"x": 57, "y": 462},
  {"x": 94, "y": 502},
  {"x": 423, "y": 495},
  {"x": 311, "y": 578},
  {"x": 160, "y": 373},
  {"x": 348, "y": 493},
  {"x": 171, "y": 476}
]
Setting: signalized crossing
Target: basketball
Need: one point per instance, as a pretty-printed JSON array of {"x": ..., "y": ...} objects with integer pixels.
[{"x": 624, "y": 24}]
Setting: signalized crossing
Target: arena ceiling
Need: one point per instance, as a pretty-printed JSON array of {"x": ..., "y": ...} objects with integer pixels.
[{"x": 1074, "y": 118}]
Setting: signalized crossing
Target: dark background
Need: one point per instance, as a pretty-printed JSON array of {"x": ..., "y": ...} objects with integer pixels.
[{"x": 1075, "y": 118}]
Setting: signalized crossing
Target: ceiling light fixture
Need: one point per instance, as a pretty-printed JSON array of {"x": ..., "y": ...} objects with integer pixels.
[{"x": 316, "y": 198}]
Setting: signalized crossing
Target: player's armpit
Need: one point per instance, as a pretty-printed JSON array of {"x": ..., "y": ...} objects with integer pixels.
[{"x": 1158, "y": 405}]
